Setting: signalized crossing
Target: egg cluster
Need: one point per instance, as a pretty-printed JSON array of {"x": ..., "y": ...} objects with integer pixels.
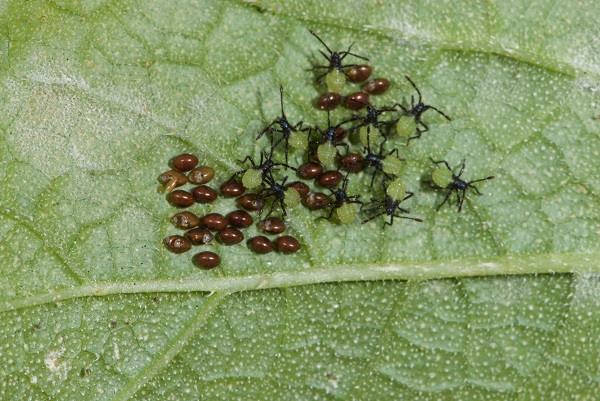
[{"x": 328, "y": 151}]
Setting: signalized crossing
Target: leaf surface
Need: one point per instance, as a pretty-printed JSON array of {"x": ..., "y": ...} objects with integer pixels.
[{"x": 498, "y": 302}]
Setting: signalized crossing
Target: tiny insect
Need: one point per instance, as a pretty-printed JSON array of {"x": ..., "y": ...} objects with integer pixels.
[
  {"x": 331, "y": 138},
  {"x": 252, "y": 177},
  {"x": 395, "y": 194},
  {"x": 335, "y": 66},
  {"x": 280, "y": 192},
  {"x": 290, "y": 134},
  {"x": 446, "y": 179},
  {"x": 370, "y": 125},
  {"x": 343, "y": 204},
  {"x": 388, "y": 164},
  {"x": 410, "y": 123}
]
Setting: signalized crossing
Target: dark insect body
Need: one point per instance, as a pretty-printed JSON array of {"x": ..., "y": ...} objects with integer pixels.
[
  {"x": 335, "y": 59},
  {"x": 331, "y": 138},
  {"x": 253, "y": 176},
  {"x": 411, "y": 120},
  {"x": 342, "y": 200},
  {"x": 446, "y": 179},
  {"x": 378, "y": 161},
  {"x": 279, "y": 192},
  {"x": 286, "y": 129},
  {"x": 389, "y": 206}
]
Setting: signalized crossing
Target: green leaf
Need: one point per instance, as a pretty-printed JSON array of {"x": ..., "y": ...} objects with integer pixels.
[{"x": 499, "y": 302}]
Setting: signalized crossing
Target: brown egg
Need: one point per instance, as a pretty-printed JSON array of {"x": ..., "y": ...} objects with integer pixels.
[
  {"x": 180, "y": 198},
  {"x": 184, "y": 162},
  {"x": 230, "y": 236},
  {"x": 376, "y": 86},
  {"x": 185, "y": 220},
  {"x": 199, "y": 236},
  {"x": 239, "y": 218},
  {"x": 330, "y": 179},
  {"x": 214, "y": 222},
  {"x": 329, "y": 101},
  {"x": 201, "y": 175},
  {"x": 207, "y": 260},
  {"x": 301, "y": 188},
  {"x": 287, "y": 244},
  {"x": 272, "y": 225},
  {"x": 204, "y": 194},
  {"x": 360, "y": 73},
  {"x": 357, "y": 101},
  {"x": 352, "y": 162},
  {"x": 251, "y": 202},
  {"x": 177, "y": 244},
  {"x": 316, "y": 200},
  {"x": 310, "y": 170},
  {"x": 260, "y": 244},
  {"x": 232, "y": 188},
  {"x": 172, "y": 179}
]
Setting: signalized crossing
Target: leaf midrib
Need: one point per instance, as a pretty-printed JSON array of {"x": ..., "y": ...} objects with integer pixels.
[{"x": 413, "y": 271}]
